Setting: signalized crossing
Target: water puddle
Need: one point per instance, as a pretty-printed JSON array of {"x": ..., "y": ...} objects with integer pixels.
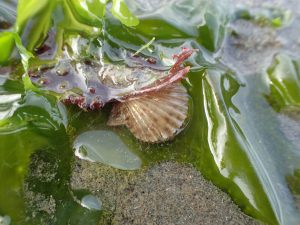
[
  {"x": 91, "y": 202},
  {"x": 106, "y": 147}
]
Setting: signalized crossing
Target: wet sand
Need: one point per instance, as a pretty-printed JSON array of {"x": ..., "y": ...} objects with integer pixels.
[{"x": 166, "y": 193}]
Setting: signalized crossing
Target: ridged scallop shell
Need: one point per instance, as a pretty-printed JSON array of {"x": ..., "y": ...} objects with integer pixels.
[{"x": 153, "y": 117}]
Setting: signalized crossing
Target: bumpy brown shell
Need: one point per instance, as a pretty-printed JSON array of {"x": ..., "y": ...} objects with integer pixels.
[{"x": 155, "y": 116}]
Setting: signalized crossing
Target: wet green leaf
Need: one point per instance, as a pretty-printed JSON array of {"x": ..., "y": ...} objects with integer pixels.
[
  {"x": 24, "y": 129},
  {"x": 16, "y": 147},
  {"x": 284, "y": 81},
  {"x": 38, "y": 16},
  {"x": 28, "y": 9},
  {"x": 146, "y": 46},
  {"x": 294, "y": 182},
  {"x": 91, "y": 11},
  {"x": 266, "y": 16},
  {"x": 25, "y": 54},
  {"x": 28, "y": 85},
  {"x": 122, "y": 13},
  {"x": 6, "y": 46}
]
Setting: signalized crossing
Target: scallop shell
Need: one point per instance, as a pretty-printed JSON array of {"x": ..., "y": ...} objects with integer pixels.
[{"x": 153, "y": 117}]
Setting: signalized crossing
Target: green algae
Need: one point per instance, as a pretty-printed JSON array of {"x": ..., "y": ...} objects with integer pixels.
[{"x": 232, "y": 135}]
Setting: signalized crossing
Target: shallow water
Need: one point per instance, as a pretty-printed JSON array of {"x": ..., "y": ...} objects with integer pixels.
[{"x": 244, "y": 86}]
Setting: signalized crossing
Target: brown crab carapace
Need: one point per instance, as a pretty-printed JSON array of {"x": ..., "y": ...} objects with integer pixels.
[{"x": 153, "y": 104}]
